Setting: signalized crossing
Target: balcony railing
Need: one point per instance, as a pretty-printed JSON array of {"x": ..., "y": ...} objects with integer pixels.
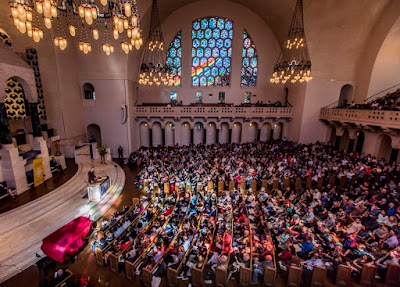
[
  {"x": 232, "y": 112},
  {"x": 385, "y": 119}
]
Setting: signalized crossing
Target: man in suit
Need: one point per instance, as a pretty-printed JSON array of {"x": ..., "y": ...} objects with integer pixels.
[{"x": 91, "y": 177}]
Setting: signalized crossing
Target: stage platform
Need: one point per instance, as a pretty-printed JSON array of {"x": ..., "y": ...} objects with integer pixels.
[{"x": 23, "y": 229}]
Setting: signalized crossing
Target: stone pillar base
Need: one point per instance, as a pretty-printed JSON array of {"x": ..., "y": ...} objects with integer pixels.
[{"x": 13, "y": 168}]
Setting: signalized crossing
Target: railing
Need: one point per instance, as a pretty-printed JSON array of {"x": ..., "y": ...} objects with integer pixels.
[
  {"x": 242, "y": 112},
  {"x": 386, "y": 119}
]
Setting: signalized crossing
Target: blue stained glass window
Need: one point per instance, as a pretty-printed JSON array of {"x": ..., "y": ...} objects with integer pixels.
[
  {"x": 174, "y": 55},
  {"x": 249, "y": 62},
  {"x": 211, "y": 51}
]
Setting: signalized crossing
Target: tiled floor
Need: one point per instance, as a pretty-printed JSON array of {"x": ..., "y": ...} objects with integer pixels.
[{"x": 58, "y": 179}]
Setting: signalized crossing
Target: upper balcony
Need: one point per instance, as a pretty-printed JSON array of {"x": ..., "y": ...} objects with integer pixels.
[
  {"x": 373, "y": 118},
  {"x": 249, "y": 112}
]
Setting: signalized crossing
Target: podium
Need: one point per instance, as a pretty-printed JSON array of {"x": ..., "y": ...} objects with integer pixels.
[{"x": 97, "y": 190}]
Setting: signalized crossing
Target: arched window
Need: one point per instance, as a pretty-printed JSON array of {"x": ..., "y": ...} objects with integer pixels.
[
  {"x": 5, "y": 38},
  {"x": 211, "y": 52},
  {"x": 15, "y": 100},
  {"x": 88, "y": 92},
  {"x": 174, "y": 58},
  {"x": 249, "y": 62}
]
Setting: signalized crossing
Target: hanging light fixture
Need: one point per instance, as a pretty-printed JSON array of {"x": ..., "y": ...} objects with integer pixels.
[
  {"x": 68, "y": 15},
  {"x": 294, "y": 63},
  {"x": 154, "y": 69},
  {"x": 107, "y": 47}
]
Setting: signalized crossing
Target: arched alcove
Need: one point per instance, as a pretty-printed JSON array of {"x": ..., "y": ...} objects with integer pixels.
[
  {"x": 144, "y": 134},
  {"x": 198, "y": 133},
  {"x": 15, "y": 101},
  {"x": 224, "y": 133},
  {"x": 169, "y": 134},
  {"x": 211, "y": 134},
  {"x": 186, "y": 134},
  {"x": 346, "y": 94},
  {"x": 156, "y": 131},
  {"x": 344, "y": 141},
  {"x": 277, "y": 131},
  {"x": 253, "y": 132},
  {"x": 265, "y": 132},
  {"x": 332, "y": 137},
  {"x": 236, "y": 133},
  {"x": 383, "y": 147},
  {"x": 359, "y": 142},
  {"x": 93, "y": 133},
  {"x": 88, "y": 92}
]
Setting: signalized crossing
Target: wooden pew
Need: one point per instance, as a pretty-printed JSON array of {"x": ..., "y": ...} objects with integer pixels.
[
  {"x": 199, "y": 186},
  {"x": 367, "y": 275},
  {"x": 264, "y": 183},
  {"x": 231, "y": 185},
  {"x": 318, "y": 276},
  {"x": 343, "y": 277},
  {"x": 275, "y": 184},
  {"x": 221, "y": 187},
  {"x": 286, "y": 182},
  {"x": 320, "y": 182},
  {"x": 343, "y": 181},
  {"x": 294, "y": 277},
  {"x": 331, "y": 179},
  {"x": 308, "y": 182},
  {"x": 210, "y": 186},
  {"x": 166, "y": 188},
  {"x": 188, "y": 187},
  {"x": 392, "y": 278},
  {"x": 254, "y": 185},
  {"x": 297, "y": 184},
  {"x": 242, "y": 185},
  {"x": 270, "y": 274},
  {"x": 245, "y": 274}
]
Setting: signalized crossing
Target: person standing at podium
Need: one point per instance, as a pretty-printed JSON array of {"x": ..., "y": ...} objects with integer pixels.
[{"x": 91, "y": 177}]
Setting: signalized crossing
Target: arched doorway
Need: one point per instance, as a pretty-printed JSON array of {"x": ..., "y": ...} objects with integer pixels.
[
  {"x": 384, "y": 147},
  {"x": 15, "y": 100},
  {"x": 359, "y": 142},
  {"x": 211, "y": 134},
  {"x": 144, "y": 134},
  {"x": 277, "y": 131},
  {"x": 344, "y": 141},
  {"x": 198, "y": 133},
  {"x": 346, "y": 94},
  {"x": 224, "y": 133},
  {"x": 94, "y": 133},
  {"x": 185, "y": 134},
  {"x": 156, "y": 132},
  {"x": 265, "y": 132},
  {"x": 253, "y": 132},
  {"x": 236, "y": 133},
  {"x": 170, "y": 134}
]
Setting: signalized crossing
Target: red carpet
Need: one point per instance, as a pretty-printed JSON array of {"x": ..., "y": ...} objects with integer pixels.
[{"x": 66, "y": 241}]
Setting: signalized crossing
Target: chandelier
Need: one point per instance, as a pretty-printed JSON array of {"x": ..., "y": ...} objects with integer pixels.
[
  {"x": 294, "y": 63},
  {"x": 63, "y": 16},
  {"x": 154, "y": 69}
]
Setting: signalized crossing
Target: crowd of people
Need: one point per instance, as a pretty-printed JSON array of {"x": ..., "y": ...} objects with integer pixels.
[
  {"x": 390, "y": 102},
  {"x": 354, "y": 224}
]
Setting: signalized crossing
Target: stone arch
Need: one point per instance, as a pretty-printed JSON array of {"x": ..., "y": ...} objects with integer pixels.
[
  {"x": 332, "y": 136},
  {"x": 346, "y": 95},
  {"x": 277, "y": 131},
  {"x": 344, "y": 141},
  {"x": 383, "y": 147},
  {"x": 156, "y": 134},
  {"x": 359, "y": 141},
  {"x": 144, "y": 134},
  {"x": 186, "y": 133},
  {"x": 211, "y": 133},
  {"x": 253, "y": 132},
  {"x": 169, "y": 134},
  {"x": 266, "y": 132},
  {"x": 236, "y": 133},
  {"x": 29, "y": 96},
  {"x": 224, "y": 131},
  {"x": 198, "y": 133}
]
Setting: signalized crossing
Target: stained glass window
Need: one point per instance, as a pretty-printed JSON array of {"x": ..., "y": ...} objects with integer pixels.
[
  {"x": 249, "y": 62},
  {"x": 174, "y": 58},
  {"x": 211, "y": 52}
]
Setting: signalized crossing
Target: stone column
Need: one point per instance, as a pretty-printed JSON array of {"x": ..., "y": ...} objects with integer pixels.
[
  {"x": 351, "y": 145},
  {"x": 39, "y": 143},
  {"x": 337, "y": 142}
]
